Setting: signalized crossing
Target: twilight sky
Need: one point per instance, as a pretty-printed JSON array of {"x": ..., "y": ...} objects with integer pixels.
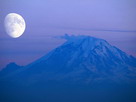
[{"x": 112, "y": 20}]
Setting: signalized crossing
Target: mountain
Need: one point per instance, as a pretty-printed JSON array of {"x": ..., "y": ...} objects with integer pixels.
[
  {"x": 76, "y": 68},
  {"x": 83, "y": 59},
  {"x": 10, "y": 68}
]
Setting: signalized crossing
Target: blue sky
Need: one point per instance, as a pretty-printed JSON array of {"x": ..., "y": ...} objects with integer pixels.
[{"x": 112, "y": 20}]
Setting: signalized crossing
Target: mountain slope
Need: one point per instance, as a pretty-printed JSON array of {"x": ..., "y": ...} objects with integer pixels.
[
  {"x": 83, "y": 69},
  {"x": 82, "y": 59}
]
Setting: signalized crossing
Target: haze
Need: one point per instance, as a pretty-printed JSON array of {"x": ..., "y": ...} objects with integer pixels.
[{"x": 112, "y": 20}]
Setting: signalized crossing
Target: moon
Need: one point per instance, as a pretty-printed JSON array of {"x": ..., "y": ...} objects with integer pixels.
[{"x": 14, "y": 25}]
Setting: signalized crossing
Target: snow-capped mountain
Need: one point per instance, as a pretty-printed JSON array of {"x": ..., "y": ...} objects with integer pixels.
[
  {"x": 72, "y": 70},
  {"x": 82, "y": 59}
]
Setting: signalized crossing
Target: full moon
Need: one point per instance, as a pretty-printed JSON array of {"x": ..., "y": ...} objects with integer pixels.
[{"x": 14, "y": 25}]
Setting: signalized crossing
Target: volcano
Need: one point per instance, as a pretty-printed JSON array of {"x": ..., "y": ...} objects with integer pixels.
[{"x": 81, "y": 63}]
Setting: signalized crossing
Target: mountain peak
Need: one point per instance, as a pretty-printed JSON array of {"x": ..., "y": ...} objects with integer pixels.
[
  {"x": 82, "y": 58},
  {"x": 82, "y": 63},
  {"x": 88, "y": 43},
  {"x": 86, "y": 52},
  {"x": 81, "y": 39},
  {"x": 11, "y": 67}
]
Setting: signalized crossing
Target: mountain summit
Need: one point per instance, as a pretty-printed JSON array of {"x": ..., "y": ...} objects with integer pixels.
[
  {"x": 83, "y": 69},
  {"x": 82, "y": 59}
]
